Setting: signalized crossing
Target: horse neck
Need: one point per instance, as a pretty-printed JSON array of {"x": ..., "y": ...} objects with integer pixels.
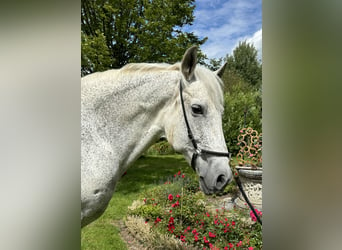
[{"x": 132, "y": 115}]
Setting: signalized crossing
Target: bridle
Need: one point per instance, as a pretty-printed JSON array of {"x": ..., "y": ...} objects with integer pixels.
[
  {"x": 198, "y": 151},
  {"x": 201, "y": 151}
]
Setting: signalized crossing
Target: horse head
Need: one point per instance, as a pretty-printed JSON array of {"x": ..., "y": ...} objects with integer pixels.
[{"x": 194, "y": 123}]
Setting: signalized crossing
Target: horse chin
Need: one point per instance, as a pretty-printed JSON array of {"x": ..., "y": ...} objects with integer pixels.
[{"x": 205, "y": 188}]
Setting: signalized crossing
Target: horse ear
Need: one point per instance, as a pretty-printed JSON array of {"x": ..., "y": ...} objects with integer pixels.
[
  {"x": 220, "y": 71},
  {"x": 189, "y": 63}
]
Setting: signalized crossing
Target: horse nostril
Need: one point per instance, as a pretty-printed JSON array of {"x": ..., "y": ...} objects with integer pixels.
[{"x": 221, "y": 181}]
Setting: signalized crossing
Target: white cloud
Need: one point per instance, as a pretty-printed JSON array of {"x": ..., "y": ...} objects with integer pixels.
[
  {"x": 225, "y": 23},
  {"x": 256, "y": 40}
]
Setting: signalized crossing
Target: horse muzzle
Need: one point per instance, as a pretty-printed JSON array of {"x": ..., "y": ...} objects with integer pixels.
[{"x": 217, "y": 176}]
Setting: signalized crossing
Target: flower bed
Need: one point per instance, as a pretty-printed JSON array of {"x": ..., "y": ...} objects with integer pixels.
[{"x": 178, "y": 210}]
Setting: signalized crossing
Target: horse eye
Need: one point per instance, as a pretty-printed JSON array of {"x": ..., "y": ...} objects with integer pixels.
[{"x": 196, "y": 109}]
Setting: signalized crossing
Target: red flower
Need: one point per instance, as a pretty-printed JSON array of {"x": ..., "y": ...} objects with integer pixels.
[
  {"x": 194, "y": 231},
  {"x": 183, "y": 175},
  {"x": 170, "y": 197},
  {"x": 239, "y": 244},
  {"x": 157, "y": 220},
  {"x": 171, "y": 220},
  {"x": 250, "y": 248},
  {"x": 179, "y": 172},
  {"x": 205, "y": 239},
  {"x": 225, "y": 248},
  {"x": 182, "y": 237},
  {"x": 178, "y": 196},
  {"x": 171, "y": 225},
  {"x": 175, "y": 204},
  {"x": 208, "y": 214},
  {"x": 196, "y": 238},
  {"x": 233, "y": 223},
  {"x": 253, "y": 217},
  {"x": 211, "y": 235}
]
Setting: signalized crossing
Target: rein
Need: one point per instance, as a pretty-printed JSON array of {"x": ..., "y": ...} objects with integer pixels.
[{"x": 200, "y": 151}]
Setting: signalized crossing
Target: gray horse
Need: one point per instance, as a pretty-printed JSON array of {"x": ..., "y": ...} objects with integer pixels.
[{"x": 125, "y": 111}]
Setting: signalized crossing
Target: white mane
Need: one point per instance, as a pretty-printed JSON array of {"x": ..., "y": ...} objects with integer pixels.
[{"x": 209, "y": 79}]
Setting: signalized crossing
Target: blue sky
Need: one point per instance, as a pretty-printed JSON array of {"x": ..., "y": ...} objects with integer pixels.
[{"x": 225, "y": 23}]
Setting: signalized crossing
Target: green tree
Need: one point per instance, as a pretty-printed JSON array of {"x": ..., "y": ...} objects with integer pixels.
[
  {"x": 244, "y": 63},
  {"x": 117, "y": 32},
  {"x": 95, "y": 55},
  {"x": 214, "y": 64},
  {"x": 243, "y": 93}
]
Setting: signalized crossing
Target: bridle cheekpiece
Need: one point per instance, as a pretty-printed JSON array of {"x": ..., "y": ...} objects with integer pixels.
[{"x": 197, "y": 151}]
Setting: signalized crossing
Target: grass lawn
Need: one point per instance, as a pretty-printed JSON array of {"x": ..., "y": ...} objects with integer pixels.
[{"x": 148, "y": 171}]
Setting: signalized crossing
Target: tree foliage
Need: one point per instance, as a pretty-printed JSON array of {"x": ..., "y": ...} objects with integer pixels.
[
  {"x": 243, "y": 93},
  {"x": 244, "y": 63},
  {"x": 95, "y": 55},
  {"x": 117, "y": 32},
  {"x": 242, "y": 109},
  {"x": 214, "y": 64}
]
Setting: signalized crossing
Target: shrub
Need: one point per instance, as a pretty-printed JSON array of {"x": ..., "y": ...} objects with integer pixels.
[
  {"x": 242, "y": 108},
  {"x": 161, "y": 148},
  {"x": 148, "y": 211},
  {"x": 181, "y": 212}
]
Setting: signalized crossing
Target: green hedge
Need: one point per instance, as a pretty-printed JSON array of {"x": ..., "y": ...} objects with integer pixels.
[
  {"x": 161, "y": 148},
  {"x": 236, "y": 102}
]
